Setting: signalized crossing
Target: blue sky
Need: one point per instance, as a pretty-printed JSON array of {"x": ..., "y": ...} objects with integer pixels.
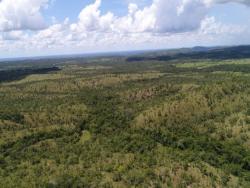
[
  {"x": 47, "y": 27},
  {"x": 234, "y": 13},
  {"x": 227, "y": 13},
  {"x": 65, "y": 8}
]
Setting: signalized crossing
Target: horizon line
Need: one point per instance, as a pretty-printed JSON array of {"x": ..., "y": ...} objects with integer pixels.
[{"x": 104, "y": 53}]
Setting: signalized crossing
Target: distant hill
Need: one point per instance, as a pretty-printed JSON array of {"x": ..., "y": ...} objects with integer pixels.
[
  {"x": 197, "y": 52},
  {"x": 221, "y": 53}
]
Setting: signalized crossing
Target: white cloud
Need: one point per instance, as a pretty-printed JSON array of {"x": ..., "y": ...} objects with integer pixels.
[
  {"x": 13, "y": 35},
  {"x": 163, "y": 16},
  {"x": 90, "y": 19},
  {"x": 164, "y": 23},
  {"x": 210, "y": 26},
  {"x": 246, "y": 2},
  {"x": 179, "y": 15},
  {"x": 21, "y": 14}
]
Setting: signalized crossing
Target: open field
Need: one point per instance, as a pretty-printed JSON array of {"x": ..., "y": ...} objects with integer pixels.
[
  {"x": 206, "y": 64},
  {"x": 116, "y": 123}
]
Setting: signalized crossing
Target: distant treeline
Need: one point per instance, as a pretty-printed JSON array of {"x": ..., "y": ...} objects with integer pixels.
[
  {"x": 219, "y": 54},
  {"x": 11, "y": 75}
]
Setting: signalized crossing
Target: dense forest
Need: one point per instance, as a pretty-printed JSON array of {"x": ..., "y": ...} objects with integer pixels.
[{"x": 119, "y": 122}]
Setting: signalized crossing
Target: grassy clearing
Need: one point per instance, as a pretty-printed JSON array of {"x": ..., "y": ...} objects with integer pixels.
[{"x": 206, "y": 64}]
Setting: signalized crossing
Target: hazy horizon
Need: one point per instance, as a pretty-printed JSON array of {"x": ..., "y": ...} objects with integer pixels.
[{"x": 108, "y": 53}]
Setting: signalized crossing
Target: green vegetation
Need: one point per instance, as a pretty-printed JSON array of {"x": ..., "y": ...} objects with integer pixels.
[
  {"x": 108, "y": 122},
  {"x": 206, "y": 64}
]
